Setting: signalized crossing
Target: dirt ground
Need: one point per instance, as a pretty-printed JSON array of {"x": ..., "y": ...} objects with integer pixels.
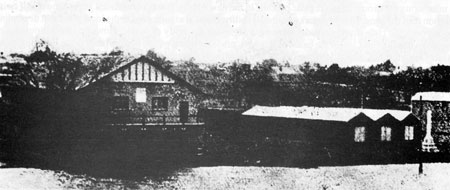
[{"x": 435, "y": 176}]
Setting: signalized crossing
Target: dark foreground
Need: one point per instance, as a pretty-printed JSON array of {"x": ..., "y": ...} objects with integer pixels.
[{"x": 136, "y": 156}]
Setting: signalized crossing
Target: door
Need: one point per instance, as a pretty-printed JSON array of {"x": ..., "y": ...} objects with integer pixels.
[{"x": 184, "y": 111}]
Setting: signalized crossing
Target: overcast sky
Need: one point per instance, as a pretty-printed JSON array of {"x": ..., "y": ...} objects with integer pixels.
[{"x": 349, "y": 32}]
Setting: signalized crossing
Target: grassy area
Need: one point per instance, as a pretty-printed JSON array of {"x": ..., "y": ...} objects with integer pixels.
[{"x": 226, "y": 177}]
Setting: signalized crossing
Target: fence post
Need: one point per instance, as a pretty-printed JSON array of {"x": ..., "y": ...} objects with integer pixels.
[
  {"x": 183, "y": 121},
  {"x": 420, "y": 162},
  {"x": 164, "y": 120}
]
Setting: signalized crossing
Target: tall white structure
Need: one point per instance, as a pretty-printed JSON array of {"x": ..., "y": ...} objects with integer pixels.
[{"x": 428, "y": 142}]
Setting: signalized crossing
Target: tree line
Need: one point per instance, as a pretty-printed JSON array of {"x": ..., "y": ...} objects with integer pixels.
[
  {"x": 239, "y": 84},
  {"x": 378, "y": 86}
]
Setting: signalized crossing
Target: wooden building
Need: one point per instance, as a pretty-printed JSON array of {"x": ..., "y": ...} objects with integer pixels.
[
  {"x": 142, "y": 91},
  {"x": 342, "y": 132}
]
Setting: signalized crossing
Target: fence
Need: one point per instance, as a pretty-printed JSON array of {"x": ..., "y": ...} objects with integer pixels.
[{"x": 156, "y": 120}]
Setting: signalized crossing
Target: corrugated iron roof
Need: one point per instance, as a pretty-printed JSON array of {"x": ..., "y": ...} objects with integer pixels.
[
  {"x": 323, "y": 113},
  {"x": 432, "y": 96}
]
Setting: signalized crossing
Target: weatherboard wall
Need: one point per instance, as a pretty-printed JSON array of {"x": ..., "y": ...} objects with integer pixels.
[
  {"x": 328, "y": 132},
  {"x": 174, "y": 92},
  {"x": 126, "y": 81}
]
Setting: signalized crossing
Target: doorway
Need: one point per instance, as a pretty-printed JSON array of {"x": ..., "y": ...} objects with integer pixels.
[{"x": 184, "y": 111}]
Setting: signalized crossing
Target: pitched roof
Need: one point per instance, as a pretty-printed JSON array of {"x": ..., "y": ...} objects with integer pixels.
[
  {"x": 154, "y": 64},
  {"x": 323, "y": 113},
  {"x": 431, "y": 96}
]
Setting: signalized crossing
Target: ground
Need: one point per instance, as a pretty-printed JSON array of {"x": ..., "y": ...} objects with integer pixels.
[{"x": 435, "y": 176}]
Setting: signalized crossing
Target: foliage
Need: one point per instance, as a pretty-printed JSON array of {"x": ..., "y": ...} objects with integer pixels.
[
  {"x": 47, "y": 69},
  {"x": 96, "y": 66},
  {"x": 54, "y": 71},
  {"x": 377, "y": 86},
  {"x": 162, "y": 60}
]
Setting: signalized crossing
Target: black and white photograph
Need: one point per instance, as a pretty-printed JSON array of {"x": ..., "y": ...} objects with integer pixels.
[{"x": 224, "y": 94}]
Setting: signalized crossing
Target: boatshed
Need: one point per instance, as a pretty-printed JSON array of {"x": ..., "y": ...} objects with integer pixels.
[{"x": 339, "y": 132}]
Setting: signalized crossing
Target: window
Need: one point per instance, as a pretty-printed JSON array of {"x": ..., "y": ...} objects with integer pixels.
[
  {"x": 160, "y": 103},
  {"x": 409, "y": 132},
  {"x": 386, "y": 133},
  {"x": 120, "y": 103},
  {"x": 360, "y": 134},
  {"x": 141, "y": 95}
]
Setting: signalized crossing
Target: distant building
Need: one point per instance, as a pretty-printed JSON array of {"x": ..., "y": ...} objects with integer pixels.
[
  {"x": 11, "y": 59},
  {"x": 8, "y": 75},
  {"x": 142, "y": 87},
  {"x": 285, "y": 74},
  {"x": 383, "y": 73},
  {"x": 431, "y": 96}
]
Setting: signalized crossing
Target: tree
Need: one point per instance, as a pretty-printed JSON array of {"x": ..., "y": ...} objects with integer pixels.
[
  {"x": 238, "y": 75},
  {"x": 45, "y": 68},
  {"x": 48, "y": 69},
  {"x": 269, "y": 63},
  {"x": 162, "y": 60},
  {"x": 97, "y": 66},
  {"x": 387, "y": 66}
]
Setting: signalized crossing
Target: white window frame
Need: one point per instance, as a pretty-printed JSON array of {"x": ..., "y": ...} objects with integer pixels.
[
  {"x": 409, "y": 133},
  {"x": 360, "y": 134},
  {"x": 386, "y": 133},
  {"x": 141, "y": 95}
]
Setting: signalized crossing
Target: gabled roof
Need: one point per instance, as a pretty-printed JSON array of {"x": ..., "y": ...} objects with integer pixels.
[
  {"x": 387, "y": 120},
  {"x": 154, "y": 64},
  {"x": 324, "y": 113},
  {"x": 431, "y": 96}
]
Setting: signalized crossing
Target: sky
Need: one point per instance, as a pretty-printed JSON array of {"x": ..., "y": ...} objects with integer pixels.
[{"x": 347, "y": 32}]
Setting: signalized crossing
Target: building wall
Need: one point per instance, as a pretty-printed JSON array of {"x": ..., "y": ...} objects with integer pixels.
[
  {"x": 316, "y": 141},
  {"x": 440, "y": 120},
  {"x": 324, "y": 131},
  {"x": 175, "y": 93},
  {"x": 337, "y": 139}
]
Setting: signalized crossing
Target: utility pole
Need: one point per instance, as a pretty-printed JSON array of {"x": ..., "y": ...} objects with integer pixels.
[{"x": 420, "y": 147}]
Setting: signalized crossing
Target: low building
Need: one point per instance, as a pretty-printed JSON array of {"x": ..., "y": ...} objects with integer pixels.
[
  {"x": 391, "y": 134},
  {"x": 145, "y": 92}
]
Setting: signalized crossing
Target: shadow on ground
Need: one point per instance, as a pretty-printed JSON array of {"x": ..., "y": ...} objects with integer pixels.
[{"x": 122, "y": 157}]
